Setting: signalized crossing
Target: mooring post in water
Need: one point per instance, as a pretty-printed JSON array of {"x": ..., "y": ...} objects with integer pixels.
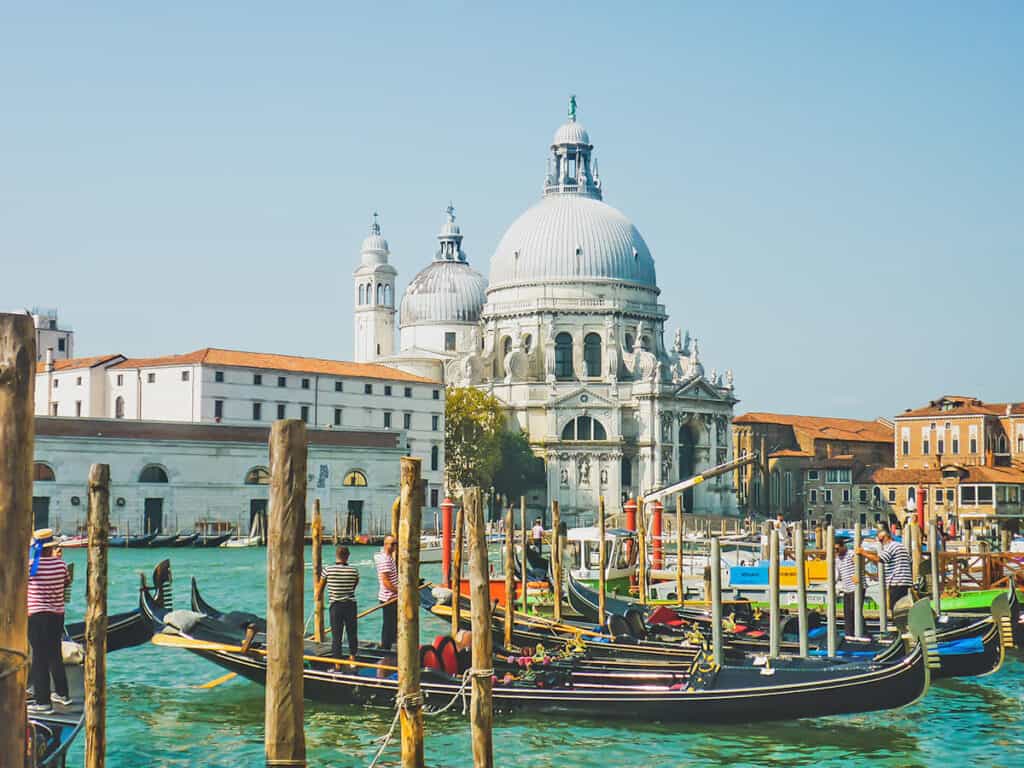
[
  {"x": 456, "y": 585},
  {"x": 602, "y": 554},
  {"x": 447, "y": 511},
  {"x": 524, "y": 533},
  {"x": 337, "y": 525},
  {"x": 883, "y": 608},
  {"x": 285, "y": 740},
  {"x": 481, "y": 713},
  {"x": 556, "y": 558},
  {"x": 858, "y": 582},
  {"x": 914, "y": 543},
  {"x": 766, "y": 529},
  {"x": 830, "y": 589},
  {"x": 510, "y": 574},
  {"x": 641, "y": 532},
  {"x": 17, "y": 438},
  {"x": 410, "y": 701},
  {"x": 933, "y": 558},
  {"x": 716, "y": 600},
  {"x": 679, "y": 547},
  {"x": 801, "y": 585},
  {"x": 396, "y": 516},
  {"x": 773, "y": 594},
  {"x": 318, "y": 567},
  {"x": 96, "y": 618}
]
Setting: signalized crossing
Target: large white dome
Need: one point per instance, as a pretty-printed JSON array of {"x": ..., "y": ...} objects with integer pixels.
[{"x": 570, "y": 237}]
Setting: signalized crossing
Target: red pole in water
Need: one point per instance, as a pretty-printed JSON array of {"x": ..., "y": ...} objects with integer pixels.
[
  {"x": 656, "y": 513},
  {"x": 920, "y": 508},
  {"x": 447, "y": 507},
  {"x": 630, "y": 509}
]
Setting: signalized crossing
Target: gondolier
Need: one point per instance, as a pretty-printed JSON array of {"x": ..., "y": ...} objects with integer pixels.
[
  {"x": 847, "y": 578},
  {"x": 896, "y": 558},
  {"x": 341, "y": 580},
  {"x": 47, "y": 578},
  {"x": 387, "y": 593}
]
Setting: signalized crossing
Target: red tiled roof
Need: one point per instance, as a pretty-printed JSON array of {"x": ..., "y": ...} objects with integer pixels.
[
  {"x": 974, "y": 474},
  {"x": 891, "y": 476},
  {"x": 852, "y": 430},
  {"x": 963, "y": 406},
  {"x": 77, "y": 362},
  {"x": 235, "y": 359}
]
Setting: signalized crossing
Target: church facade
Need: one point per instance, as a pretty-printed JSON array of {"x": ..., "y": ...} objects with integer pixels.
[{"x": 568, "y": 333}]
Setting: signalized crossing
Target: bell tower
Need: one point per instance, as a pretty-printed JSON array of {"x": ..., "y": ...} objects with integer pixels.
[{"x": 373, "y": 284}]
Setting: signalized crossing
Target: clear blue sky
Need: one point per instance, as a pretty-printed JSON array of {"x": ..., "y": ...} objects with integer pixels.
[{"x": 833, "y": 196}]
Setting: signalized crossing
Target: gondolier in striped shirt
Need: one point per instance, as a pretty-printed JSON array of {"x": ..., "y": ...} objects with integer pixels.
[
  {"x": 898, "y": 574},
  {"x": 341, "y": 580},
  {"x": 47, "y": 578},
  {"x": 387, "y": 594},
  {"x": 847, "y": 578}
]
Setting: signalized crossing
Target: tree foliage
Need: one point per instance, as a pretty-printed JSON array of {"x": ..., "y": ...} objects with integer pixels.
[
  {"x": 473, "y": 426},
  {"x": 519, "y": 469}
]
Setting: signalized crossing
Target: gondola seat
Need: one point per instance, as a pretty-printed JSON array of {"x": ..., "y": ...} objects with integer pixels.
[
  {"x": 429, "y": 658},
  {"x": 447, "y": 654},
  {"x": 665, "y": 617}
]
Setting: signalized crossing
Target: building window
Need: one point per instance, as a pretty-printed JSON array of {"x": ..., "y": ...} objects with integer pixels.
[
  {"x": 257, "y": 411},
  {"x": 1000, "y": 445},
  {"x": 435, "y": 422},
  {"x": 956, "y": 445},
  {"x": 906, "y": 446},
  {"x": 78, "y": 408},
  {"x": 813, "y": 496},
  {"x": 282, "y": 381},
  {"x": 387, "y": 419},
  {"x": 984, "y": 494},
  {"x": 54, "y": 409},
  {"x": 280, "y": 410},
  {"x": 218, "y": 376},
  {"x": 406, "y": 421},
  {"x": 120, "y": 380},
  {"x": 435, "y": 457},
  {"x": 433, "y": 497},
  {"x": 56, "y": 382},
  {"x": 78, "y": 381},
  {"x": 592, "y": 354},
  {"x": 367, "y": 389},
  {"x": 846, "y": 495},
  {"x": 304, "y": 413},
  {"x": 305, "y": 383},
  {"x": 60, "y": 344},
  {"x": 184, "y": 375},
  {"x": 387, "y": 390},
  {"x": 584, "y": 428},
  {"x": 940, "y": 446},
  {"x": 828, "y": 495},
  {"x": 892, "y": 495},
  {"x": 628, "y": 342},
  {"x": 119, "y": 408},
  {"x": 563, "y": 356},
  {"x": 925, "y": 444},
  {"x": 437, "y": 396},
  {"x": 973, "y": 445},
  {"x": 153, "y": 473},
  {"x": 257, "y": 379},
  {"x": 812, "y": 474},
  {"x": 876, "y": 494},
  {"x": 339, "y": 386},
  {"x": 362, "y": 293},
  {"x": 354, "y": 479},
  {"x": 257, "y": 476},
  {"x": 408, "y": 391},
  {"x": 218, "y": 409},
  {"x": 337, "y": 417},
  {"x": 863, "y": 495},
  {"x": 43, "y": 473},
  {"x": 449, "y": 341},
  {"x": 151, "y": 378}
]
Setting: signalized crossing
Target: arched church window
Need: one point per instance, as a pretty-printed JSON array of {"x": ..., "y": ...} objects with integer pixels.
[
  {"x": 362, "y": 293},
  {"x": 584, "y": 428},
  {"x": 153, "y": 473},
  {"x": 119, "y": 408},
  {"x": 1002, "y": 444},
  {"x": 527, "y": 343},
  {"x": 563, "y": 356},
  {"x": 387, "y": 295},
  {"x": 506, "y": 347},
  {"x": 257, "y": 476},
  {"x": 592, "y": 354},
  {"x": 43, "y": 473},
  {"x": 354, "y": 479},
  {"x": 629, "y": 342},
  {"x": 380, "y": 293},
  {"x": 369, "y": 293}
]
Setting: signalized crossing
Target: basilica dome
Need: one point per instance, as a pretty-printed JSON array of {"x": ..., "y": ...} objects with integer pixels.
[{"x": 448, "y": 290}]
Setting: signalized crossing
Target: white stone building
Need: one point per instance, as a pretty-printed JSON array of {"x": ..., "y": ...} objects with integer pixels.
[
  {"x": 169, "y": 476},
  {"x": 51, "y": 338},
  {"x": 568, "y": 333}
]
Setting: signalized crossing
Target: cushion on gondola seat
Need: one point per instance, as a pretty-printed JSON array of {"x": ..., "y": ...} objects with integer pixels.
[
  {"x": 663, "y": 615},
  {"x": 756, "y": 633},
  {"x": 739, "y": 629},
  {"x": 429, "y": 658},
  {"x": 447, "y": 654},
  {"x": 817, "y": 632}
]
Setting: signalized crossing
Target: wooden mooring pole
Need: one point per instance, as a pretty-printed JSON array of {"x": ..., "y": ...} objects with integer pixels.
[
  {"x": 556, "y": 558},
  {"x": 883, "y": 608},
  {"x": 318, "y": 567},
  {"x": 17, "y": 439},
  {"x": 641, "y": 532},
  {"x": 775, "y": 628},
  {"x": 801, "y": 585},
  {"x": 460, "y": 527},
  {"x": 602, "y": 555},
  {"x": 858, "y": 578},
  {"x": 526, "y": 542},
  {"x": 716, "y": 600},
  {"x": 410, "y": 701},
  {"x": 481, "y": 713},
  {"x": 679, "y": 548},
  {"x": 933, "y": 558},
  {"x": 96, "y": 618},
  {"x": 284, "y": 739},
  {"x": 396, "y": 515},
  {"x": 830, "y": 589},
  {"x": 337, "y": 526},
  {"x": 510, "y": 575}
]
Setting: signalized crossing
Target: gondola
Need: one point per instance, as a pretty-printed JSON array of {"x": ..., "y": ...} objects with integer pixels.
[
  {"x": 51, "y": 735},
  {"x": 184, "y": 540},
  {"x": 700, "y": 693},
  {"x": 204, "y": 540},
  {"x": 162, "y": 540},
  {"x": 967, "y": 646}
]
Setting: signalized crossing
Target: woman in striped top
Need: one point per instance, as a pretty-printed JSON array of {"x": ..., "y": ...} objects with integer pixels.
[{"x": 48, "y": 576}]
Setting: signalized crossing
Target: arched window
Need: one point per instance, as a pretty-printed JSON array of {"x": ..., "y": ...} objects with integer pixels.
[
  {"x": 527, "y": 343},
  {"x": 257, "y": 476},
  {"x": 506, "y": 347},
  {"x": 435, "y": 457},
  {"x": 119, "y": 408},
  {"x": 380, "y": 293},
  {"x": 369, "y": 293},
  {"x": 563, "y": 356},
  {"x": 592, "y": 354},
  {"x": 354, "y": 479},
  {"x": 584, "y": 428},
  {"x": 387, "y": 294},
  {"x": 362, "y": 294},
  {"x": 43, "y": 473},
  {"x": 153, "y": 473},
  {"x": 1002, "y": 444},
  {"x": 1020, "y": 443},
  {"x": 629, "y": 342}
]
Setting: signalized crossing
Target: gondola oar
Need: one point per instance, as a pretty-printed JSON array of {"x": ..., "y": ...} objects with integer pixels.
[{"x": 218, "y": 681}]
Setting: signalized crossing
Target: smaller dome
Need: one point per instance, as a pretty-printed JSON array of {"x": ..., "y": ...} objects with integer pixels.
[
  {"x": 444, "y": 292},
  {"x": 449, "y": 229},
  {"x": 571, "y": 133},
  {"x": 375, "y": 244}
]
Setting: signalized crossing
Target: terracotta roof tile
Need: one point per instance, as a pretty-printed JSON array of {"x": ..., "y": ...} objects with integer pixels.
[
  {"x": 974, "y": 474},
  {"x": 891, "y": 476},
  {"x": 852, "y": 430},
  {"x": 964, "y": 406},
  {"x": 77, "y": 362},
  {"x": 230, "y": 358}
]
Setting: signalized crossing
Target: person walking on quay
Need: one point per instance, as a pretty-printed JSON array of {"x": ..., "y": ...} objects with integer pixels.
[
  {"x": 47, "y": 578},
  {"x": 537, "y": 533},
  {"x": 846, "y": 576},
  {"x": 387, "y": 593},
  {"x": 896, "y": 558},
  {"x": 341, "y": 580}
]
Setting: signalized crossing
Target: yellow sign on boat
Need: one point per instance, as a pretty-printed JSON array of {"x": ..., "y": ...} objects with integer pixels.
[{"x": 815, "y": 570}]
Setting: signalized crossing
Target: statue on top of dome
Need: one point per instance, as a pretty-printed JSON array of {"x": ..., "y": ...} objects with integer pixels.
[{"x": 572, "y": 108}]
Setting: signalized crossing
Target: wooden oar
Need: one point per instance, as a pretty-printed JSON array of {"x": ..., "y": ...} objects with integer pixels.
[
  {"x": 193, "y": 644},
  {"x": 220, "y": 680},
  {"x": 446, "y": 611}
]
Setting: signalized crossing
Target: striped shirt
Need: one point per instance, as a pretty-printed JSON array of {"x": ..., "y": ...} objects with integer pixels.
[
  {"x": 897, "y": 565},
  {"x": 386, "y": 566},
  {"x": 46, "y": 588},
  {"x": 342, "y": 579},
  {"x": 845, "y": 571}
]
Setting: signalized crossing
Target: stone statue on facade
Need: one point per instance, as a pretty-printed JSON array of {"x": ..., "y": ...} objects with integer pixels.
[
  {"x": 584, "y": 470},
  {"x": 517, "y": 362}
]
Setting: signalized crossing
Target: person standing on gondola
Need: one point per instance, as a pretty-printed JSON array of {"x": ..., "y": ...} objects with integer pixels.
[
  {"x": 341, "y": 580},
  {"x": 387, "y": 593},
  {"x": 847, "y": 578},
  {"x": 47, "y": 578},
  {"x": 898, "y": 572}
]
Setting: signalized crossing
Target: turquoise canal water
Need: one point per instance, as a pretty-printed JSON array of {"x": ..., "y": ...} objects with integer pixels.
[{"x": 157, "y": 717}]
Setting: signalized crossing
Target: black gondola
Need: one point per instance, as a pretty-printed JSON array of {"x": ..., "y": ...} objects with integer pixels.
[
  {"x": 701, "y": 693},
  {"x": 51, "y": 735},
  {"x": 184, "y": 540},
  {"x": 204, "y": 540}
]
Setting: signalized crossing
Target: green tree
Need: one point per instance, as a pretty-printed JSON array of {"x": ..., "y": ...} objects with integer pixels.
[
  {"x": 473, "y": 425},
  {"x": 519, "y": 469}
]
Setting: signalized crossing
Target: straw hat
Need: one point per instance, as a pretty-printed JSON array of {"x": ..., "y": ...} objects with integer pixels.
[{"x": 45, "y": 537}]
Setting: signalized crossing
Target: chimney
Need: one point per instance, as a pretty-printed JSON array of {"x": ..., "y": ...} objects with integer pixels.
[{"x": 49, "y": 359}]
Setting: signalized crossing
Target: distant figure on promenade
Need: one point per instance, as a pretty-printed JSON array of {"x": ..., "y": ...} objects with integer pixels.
[
  {"x": 387, "y": 593},
  {"x": 847, "y": 578},
  {"x": 47, "y": 578},
  {"x": 783, "y": 529},
  {"x": 538, "y": 534},
  {"x": 896, "y": 558},
  {"x": 341, "y": 580}
]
